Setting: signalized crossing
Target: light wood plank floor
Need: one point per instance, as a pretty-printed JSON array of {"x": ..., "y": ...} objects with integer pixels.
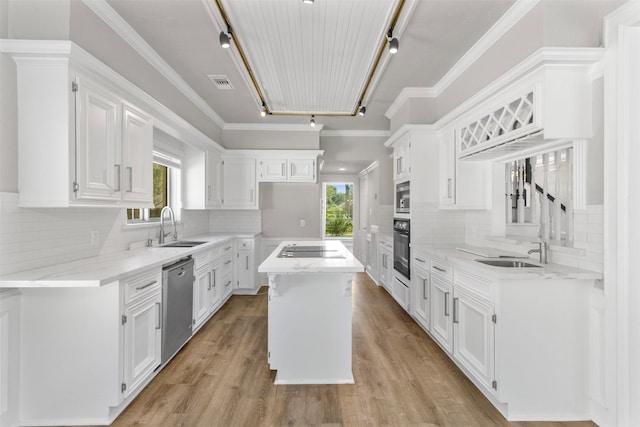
[{"x": 221, "y": 378}]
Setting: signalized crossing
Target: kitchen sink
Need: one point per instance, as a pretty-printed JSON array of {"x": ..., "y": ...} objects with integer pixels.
[
  {"x": 507, "y": 263},
  {"x": 181, "y": 244}
]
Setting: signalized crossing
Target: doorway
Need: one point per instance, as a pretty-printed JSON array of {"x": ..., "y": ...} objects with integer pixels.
[{"x": 337, "y": 212}]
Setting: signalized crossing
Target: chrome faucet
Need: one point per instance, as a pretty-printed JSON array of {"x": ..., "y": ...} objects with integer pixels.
[
  {"x": 543, "y": 248},
  {"x": 172, "y": 217}
]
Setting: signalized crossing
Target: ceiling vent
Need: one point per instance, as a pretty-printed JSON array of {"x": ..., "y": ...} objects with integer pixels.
[{"x": 221, "y": 82}]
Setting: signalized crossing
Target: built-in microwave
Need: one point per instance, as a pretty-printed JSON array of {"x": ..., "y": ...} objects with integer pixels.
[{"x": 402, "y": 197}]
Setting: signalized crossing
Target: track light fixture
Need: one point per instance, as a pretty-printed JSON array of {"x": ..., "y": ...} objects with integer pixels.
[
  {"x": 393, "y": 42},
  {"x": 225, "y": 38},
  {"x": 263, "y": 112},
  {"x": 307, "y": 1},
  {"x": 312, "y": 122},
  {"x": 362, "y": 110}
]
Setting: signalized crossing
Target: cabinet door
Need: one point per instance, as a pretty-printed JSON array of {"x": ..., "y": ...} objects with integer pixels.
[
  {"x": 213, "y": 178},
  {"x": 302, "y": 170},
  {"x": 474, "y": 336},
  {"x": 447, "y": 170},
  {"x": 137, "y": 157},
  {"x": 441, "y": 321},
  {"x": 421, "y": 286},
  {"x": 382, "y": 263},
  {"x": 98, "y": 166},
  {"x": 227, "y": 286},
  {"x": 240, "y": 184},
  {"x": 217, "y": 287},
  {"x": 202, "y": 287},
  {"x": 273, "y": 170},
  {"x": 245, "y": 270},
  {"x": 142, "y": 339}
]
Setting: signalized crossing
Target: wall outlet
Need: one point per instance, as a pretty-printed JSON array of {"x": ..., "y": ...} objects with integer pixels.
[
  {"x": 95, "y": 237},
  {"x": 303, "y": 223}
]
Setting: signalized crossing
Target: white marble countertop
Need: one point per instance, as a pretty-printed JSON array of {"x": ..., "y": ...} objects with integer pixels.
[
  {"x": 103, "y": 269},
  {"x": 347, "y": 264},
  {"x": 468, "y": 261}
]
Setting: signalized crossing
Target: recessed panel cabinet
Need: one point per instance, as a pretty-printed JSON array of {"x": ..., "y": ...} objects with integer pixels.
[
  {"x": 240, "y": 186},
  {"x": 287, "y": 169}
]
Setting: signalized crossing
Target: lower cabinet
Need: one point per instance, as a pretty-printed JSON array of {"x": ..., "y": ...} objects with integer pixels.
[
  {"x": 245, "y": 271},
  {"x": 421, "y": 285},
  {"x": 441, "y": 321},
  {"x": 385, "y": 262},
  {"x": 202, "y": 290}
]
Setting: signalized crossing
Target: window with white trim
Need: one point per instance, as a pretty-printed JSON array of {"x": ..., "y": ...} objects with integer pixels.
[{"x": 166, "y": 190}]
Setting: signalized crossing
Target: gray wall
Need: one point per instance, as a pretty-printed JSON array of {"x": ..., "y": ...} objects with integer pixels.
[
  {"x": 595, "y": 148},
  {"x": 271, "y": 139},
  {"x": 8, "y": 125},
  {"x": 283, "y": 205}
]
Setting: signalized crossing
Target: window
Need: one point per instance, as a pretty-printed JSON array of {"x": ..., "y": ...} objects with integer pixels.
[
  {"x": 338, "y": 213},
  {"x": 166, "y": 190}
]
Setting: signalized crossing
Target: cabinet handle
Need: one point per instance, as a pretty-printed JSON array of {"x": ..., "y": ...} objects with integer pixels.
[
  {"x": 314, "y": 170},
  {"x": 293, "y": 169},
  {"x": 214, "y": 278},
  {"x": 455, "y": 310},
  {"x": 384, "y": 260},
  {"x": 117, "y": 168},
  {"x": 227, "y": 248},
  {"x": 398, "y": 165},
  {"x": 227, "y": 262},
  {"x": 130, "y": 169},
  {"x": 247, "y": 262},
  {"x": 147, "y": 285},
  {"x": 446, "y": 304},
  {"x": 424, "y": 288},
  {"x": 449, "y": 182},
  {"x": 419, "y": 260},
  {"x": 159, "y": 316},
  {"x": 283, "y": 169},
  {"x": 440, "y": 269},
  {"x": 228, "y": 283},
  {"x": 209, "y": 284}
]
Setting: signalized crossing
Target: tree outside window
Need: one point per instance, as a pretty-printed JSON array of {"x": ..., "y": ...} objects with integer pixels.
[{"x": 339, "y": 210}]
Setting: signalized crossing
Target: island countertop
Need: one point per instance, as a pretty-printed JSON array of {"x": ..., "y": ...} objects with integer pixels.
[{"x": 347, "y": 263}]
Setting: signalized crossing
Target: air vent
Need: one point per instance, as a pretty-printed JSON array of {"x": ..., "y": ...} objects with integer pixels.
[{"x": 221, "y": 82}]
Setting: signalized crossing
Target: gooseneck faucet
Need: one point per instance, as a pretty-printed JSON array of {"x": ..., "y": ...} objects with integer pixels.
[
  {"x": 543, "y": 248},
  {"x": 172, "y": 217}
]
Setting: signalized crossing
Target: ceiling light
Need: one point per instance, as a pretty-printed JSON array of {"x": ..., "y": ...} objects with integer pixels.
[
  {"x": 307, "y": 1},
  {"x": 225, "y": 39},
  {"x": 362, "y": 110},
  {"x": 263, "y": 112},
  {"x": 312, "y": 122},
  {"x": 393, "y": 42},
  {"x": 342, "y": 169}
]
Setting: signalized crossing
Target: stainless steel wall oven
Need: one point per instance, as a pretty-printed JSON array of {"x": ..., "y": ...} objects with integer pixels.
[{"x": 401, "y": 240}]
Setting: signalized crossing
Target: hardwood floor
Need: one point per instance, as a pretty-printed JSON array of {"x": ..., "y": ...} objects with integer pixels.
[{"x": 221, "y": 378}]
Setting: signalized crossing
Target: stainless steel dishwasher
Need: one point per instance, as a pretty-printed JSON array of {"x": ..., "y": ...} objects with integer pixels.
[{"x": 177, "y": 306}]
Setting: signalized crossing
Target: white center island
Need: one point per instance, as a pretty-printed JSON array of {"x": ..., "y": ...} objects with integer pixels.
[{"x": 310, "y": 312}]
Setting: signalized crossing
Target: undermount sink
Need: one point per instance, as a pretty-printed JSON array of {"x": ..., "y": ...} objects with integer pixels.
[
  {"x": 181, "y": 244},
  {"x": 507, "y": 263}
]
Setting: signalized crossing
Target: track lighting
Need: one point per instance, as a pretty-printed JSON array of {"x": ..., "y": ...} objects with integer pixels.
[
  {"x": 312, "y": 122},
  {"x": 225, "y": 38},
  {"x": 362, "y": 110},
  {"x": 393, "y": 42},
  {"x": 263, "y": 112}
]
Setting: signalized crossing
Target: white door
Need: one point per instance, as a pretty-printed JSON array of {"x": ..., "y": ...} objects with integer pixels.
[
  {"x": 142, "y": 342},
  {"x": 98, "y": 144},
  {"x": 302, "y": 170},
  {"x": 137, "y": 156},
  {"x": 202, "y": 287},
  {"x": 273, "y": 170},
  {"x": 441, "y": 321},
  {"x": 240, "y": 184},
  {"x": 474, "y": 336}
]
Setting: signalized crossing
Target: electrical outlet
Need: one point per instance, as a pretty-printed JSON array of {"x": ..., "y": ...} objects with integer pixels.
[
  {"x": 95, "y": 237},
  {"x": 303, "y": 223}
]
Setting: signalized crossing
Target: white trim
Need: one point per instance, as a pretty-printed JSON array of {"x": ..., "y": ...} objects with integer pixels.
[
  {"x": 105, "y": 12},
  {"x": 273, "y": 127},
  {"x": 357, "y": 133},
  {"x": 54, "y": 47},
  {"x": 405, "y": 129}
]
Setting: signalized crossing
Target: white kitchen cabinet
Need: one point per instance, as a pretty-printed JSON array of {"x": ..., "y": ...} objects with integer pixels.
[
  {"x": 142, "y": 342},
  {"x": 245, "y": 267},
  {"x": 385, "y": 262},
  {"x": 202, "y": 179},
  {"x": 421, "y": 284},
  {"x": 202, "y": 288},
  {"x": 299, "y": 166},
  {"x": 137, "y": 156},
  {"x": 441, "y": 301},
  {"x": 239, "y": 182},
  {"x": 474, "y": 335},
  {"x": 402, "y": 160},
  {"x": 447, "y": 177}
]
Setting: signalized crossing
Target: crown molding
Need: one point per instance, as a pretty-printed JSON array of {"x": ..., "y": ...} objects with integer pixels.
[
  {"x": 52, "y": 47},
  {"x": 496, "y": 32},
  {"x": 105, "y": 12},
  {"x": 356, "y": 133},
  {"x": 274, "y": 127}
]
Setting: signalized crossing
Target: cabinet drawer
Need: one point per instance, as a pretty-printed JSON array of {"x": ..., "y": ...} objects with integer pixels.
[
  {"x": 420, "y": 260},
  {"x": 474, "y": 284},
  {"x": 201, "y": 258},
  {"x": 142, "y": 285},
  {"x": 442, "y": 269},
  {"x": 244, "y": 244},
  {"x": 226, "y": 248},
  {"x": 226, "y": 264},
  {"x": 227, "y": 281}
]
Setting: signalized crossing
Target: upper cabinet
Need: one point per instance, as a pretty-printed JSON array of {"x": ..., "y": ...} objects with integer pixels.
[
  {"x": 402, "y": 160},
  {"x": 202, "y": 179},
  {"x": 239, "y": 183},
  {"x": 287, "y": 166},
  {"x": 80, "y": 143}
]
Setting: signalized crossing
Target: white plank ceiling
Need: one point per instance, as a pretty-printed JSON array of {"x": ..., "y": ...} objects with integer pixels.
[{"x": 310, "y": 58}]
